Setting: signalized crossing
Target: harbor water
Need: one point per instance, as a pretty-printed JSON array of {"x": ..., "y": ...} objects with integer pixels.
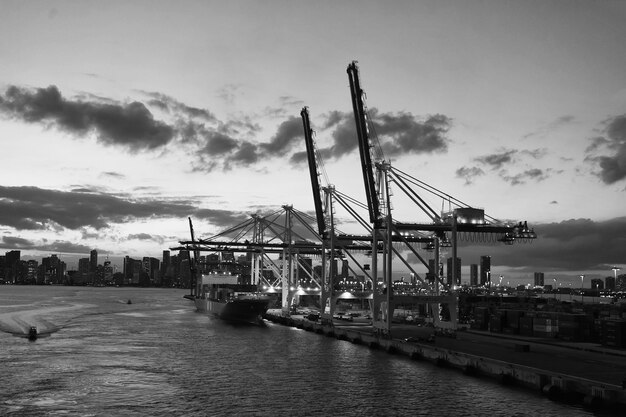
[{"x": 140, "y": 352}]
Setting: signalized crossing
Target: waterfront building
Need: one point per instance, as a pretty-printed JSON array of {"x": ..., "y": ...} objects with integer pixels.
[
  {"x": 83, "y": 275},
  {"x": 93, "y": 261},
  {"x": 539, "y": 279},
  {"x": 11, "y": 260},
  {"x": 474, "y": 275},
  {"x": 108, "y": 272},
  {"x": 32, "y": 269},
  {"x": 485, "y": 270},
  {"x": 53, "y": 270},
  {"x": 151, "y": 268}
]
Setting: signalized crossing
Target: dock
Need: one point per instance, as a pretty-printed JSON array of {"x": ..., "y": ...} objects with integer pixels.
[{"x": 572, "y": 372}]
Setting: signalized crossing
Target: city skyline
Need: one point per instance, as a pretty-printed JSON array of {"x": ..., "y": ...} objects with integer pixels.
[{"x": 119, "y": 130}]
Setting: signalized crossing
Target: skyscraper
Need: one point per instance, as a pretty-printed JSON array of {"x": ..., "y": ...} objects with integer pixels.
[
  {"x": 457, "y": 274},
  {"x": 539, "y": 279},
  {"x": 485, "y": 270},
  {"x": 93, "y": 261},
  {"x": 474, "y": 275}
]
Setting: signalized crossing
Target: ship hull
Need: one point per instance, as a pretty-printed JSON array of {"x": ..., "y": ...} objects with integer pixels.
[{"x": 248, "y": 310}]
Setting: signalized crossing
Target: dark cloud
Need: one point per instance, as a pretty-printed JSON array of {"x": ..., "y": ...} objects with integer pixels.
[
  {"x": 246, "y": 154},
  {"x": 497, "y": 160},
  {"x": 535, "y": 174},
  {"x": 289, "y": 132},
  {"x": 612, "y": 166},
  {"x": 573, "y": 245},
  {"x": 409, "y": 135},
  {"x": 112, "y": 174},
  {"x": 535, "y": 153},
  {"x": 333, "y": 118},
  {"x": 11, "y": 242},
  {"x": 398, "y": 134},
  {"x": 170, "y": 104},
  {"x": 469, "y": 173},
  {"x": 219, "y": 144},
  {"x": 30, "y": 208},
  {"x": 58, "y": 246},
  {"x": 130, "y": 125}
]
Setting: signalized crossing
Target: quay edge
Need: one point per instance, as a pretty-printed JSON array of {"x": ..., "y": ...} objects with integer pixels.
[{"x": 554, "y": 385}]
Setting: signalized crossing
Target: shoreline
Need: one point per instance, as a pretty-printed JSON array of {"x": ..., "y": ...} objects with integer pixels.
[{"x": 531, "y": 364}]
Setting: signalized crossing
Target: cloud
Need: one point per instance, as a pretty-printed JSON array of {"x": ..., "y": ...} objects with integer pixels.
[
  {"x": 11, "y": 242},
  {"x": 170, "y": 104},
  {"x": 397, "y": 133},
  {"x": 203, "y": 137},
  {"x": 58, "y": 246},
  {"x": 530, "y": 174},
  {"x": 112, "y": 174},
  {"x": 469, "y": 173},
  {"x": 219, "y": 144},
  {"x": 33, "y": 208},
  {"x": 552, "y": 126},
  {"x": 229, "y": 92},
  {"x": 612, "y": 166},
  {"x": 289, "y": 132},
  {"x": 130, "y": 125},
  {"x": 572, "y": 245},
  {"x": 497, "y": 160}
]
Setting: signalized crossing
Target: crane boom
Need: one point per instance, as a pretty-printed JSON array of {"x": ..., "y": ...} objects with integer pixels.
[
  {"x": 315, "y": 184},
  {"x": 373, "y": 202}
]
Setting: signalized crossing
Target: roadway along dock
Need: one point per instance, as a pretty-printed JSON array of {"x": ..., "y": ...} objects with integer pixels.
[{"x": 565, "y": 371}]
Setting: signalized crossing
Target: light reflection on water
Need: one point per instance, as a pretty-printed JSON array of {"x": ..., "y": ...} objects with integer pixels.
[{"x": 157, "y": 356}]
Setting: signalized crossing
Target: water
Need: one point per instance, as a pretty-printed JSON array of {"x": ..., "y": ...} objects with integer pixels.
[{"x": 158, "y": 357}]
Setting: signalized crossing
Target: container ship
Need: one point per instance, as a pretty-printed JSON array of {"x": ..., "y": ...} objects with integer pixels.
[{"x": 221, "y": 295}]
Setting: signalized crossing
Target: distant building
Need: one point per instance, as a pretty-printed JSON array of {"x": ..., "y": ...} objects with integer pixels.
[
  {"x": 32, "y": 269},
  {"x": 11, "y": 265},
  {"x": 151, "y": 267},
  {"x": 474, "y": 275},
  {"x": 485, "y": 270},
  {"x": 454, "y": 277},
  {"x": 539, "y": 279},
  {"x": 597, "y": 284},
  {"x": 53, "y": 270},
  {"x": 609, "y": 283},
  {"x": 93, "y": 261}
]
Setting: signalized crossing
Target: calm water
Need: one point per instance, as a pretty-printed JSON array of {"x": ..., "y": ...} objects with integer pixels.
[{"x": 157, "y": 356}]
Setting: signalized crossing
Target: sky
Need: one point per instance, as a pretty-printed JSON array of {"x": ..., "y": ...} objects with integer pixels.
[{"x": 120, "y": 119}]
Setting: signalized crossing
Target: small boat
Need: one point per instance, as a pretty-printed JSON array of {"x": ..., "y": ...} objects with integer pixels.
[{"x": 32, "y": 333}]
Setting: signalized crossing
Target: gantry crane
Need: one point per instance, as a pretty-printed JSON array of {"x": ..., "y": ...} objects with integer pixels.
[{"x": 463, "y": 219}]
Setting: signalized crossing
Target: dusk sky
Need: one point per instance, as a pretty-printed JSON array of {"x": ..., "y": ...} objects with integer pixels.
[{"x": 120, "y": 119}]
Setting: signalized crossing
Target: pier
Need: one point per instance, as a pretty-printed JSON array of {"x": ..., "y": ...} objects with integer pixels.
[{"x": 564, "y": 371}]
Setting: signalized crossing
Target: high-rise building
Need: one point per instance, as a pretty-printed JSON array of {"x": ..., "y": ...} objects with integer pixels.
[
  {"x": 11, "y": 263},
  {"x": 609, "y": 283},
  {"x": 454, "y": 278},
  {"x": 474, "y": 275},
  {"x": 539, "y": 279},
  {"x": 93, "y": 261},
  {"x": 53, "y": 270},
  {"x": 485, "y": 270}
]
